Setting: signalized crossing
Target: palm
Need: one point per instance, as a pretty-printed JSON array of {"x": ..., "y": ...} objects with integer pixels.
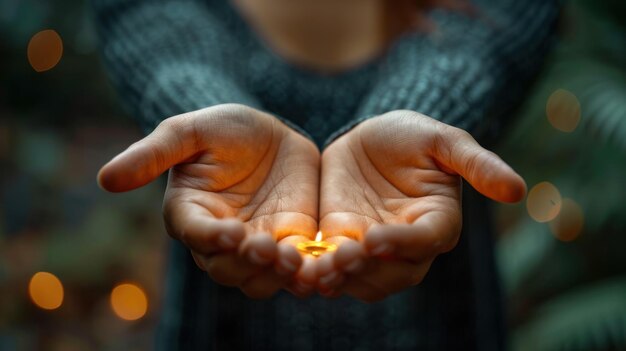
[
  {"x": 370, "y": 178},
  {"x": 242, "y": 190},
  {"x": 390, "y": 197},
  {"x": 367, "y": 183},
  {"x": 266, "y": 176}
]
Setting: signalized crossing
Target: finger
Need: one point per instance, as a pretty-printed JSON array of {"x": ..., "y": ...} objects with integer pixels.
[
  {"x": 328, "y": 275},
  {"x": 259, "y": 249},
  {"x": 196, "y": 227},
  {"x": 431, "y": 234},
  {"x": 305, "y": 280},
  {"x": 344, "y": 224},
  {"x": 172, "y": 142},
  {"x": 228, "y": 269},
  {"x": 289, "y": 260},
  {"x": 350, "y": 256},
  {"x": 263, "y": 285},
  {"x": 288, "y": 224},
  {"x": 483, "y": 169}
]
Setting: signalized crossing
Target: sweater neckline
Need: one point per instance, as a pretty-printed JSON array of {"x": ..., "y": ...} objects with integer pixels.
[{"x": 290, "y": 67}]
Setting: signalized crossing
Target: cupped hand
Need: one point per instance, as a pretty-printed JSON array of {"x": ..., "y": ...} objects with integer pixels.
[
  {"x": 242, "y": 191},
  {"x": 390, "y": 196}
]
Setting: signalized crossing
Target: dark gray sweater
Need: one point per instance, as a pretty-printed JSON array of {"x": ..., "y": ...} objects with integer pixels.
[{"x": 167, "y": 57}]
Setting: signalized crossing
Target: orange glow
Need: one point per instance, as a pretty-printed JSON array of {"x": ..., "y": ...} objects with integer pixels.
[
  {"x": 129, "y": 301},
  {"x": 318, "y": 236},
  {"x": 316, "y": 247},
  {"x": 45, "y": 50},
  {"x": 570, "y": 221},
  {"x": 46, "y": 290},
  {"x": 563, "y": 110},
  {"x": 543, "y": 202}
]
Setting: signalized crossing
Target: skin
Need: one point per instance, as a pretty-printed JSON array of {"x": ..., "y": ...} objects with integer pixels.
[
  {"x": 390, "y": 197},
  {"x": 243, "y": 190},
  {"x": 331, "y": 36}
]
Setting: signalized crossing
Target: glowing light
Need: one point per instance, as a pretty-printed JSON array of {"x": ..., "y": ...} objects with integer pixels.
[
  {"x": 129, "y": 301},
  {"x": 570, "y": 221},
  {"x": 317, "y": 247},
  {"x": 563, "y": 110},
  {"x": 45, "y": 50},
  {"x": 543, "y": 202},
  {"x": 46, "y": 290}
]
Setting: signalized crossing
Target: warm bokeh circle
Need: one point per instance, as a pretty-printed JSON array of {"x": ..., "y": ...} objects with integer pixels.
[
  {"x": 46, "y": 290},
  {"x": 45, "y": 50},
  {"x": 129, "y": 301}
]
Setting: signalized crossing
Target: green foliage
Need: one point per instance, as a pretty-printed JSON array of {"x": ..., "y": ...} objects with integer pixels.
[
  {"x": 552, "y": 304},
  {"x": 591, "y": 318}
]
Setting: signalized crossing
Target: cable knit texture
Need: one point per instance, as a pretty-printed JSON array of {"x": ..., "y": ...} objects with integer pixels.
[{"x": 168, "y": 57}]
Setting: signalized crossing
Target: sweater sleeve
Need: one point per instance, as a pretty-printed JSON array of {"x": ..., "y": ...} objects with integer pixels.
[
  {"x": 167, "y": 57},
  {"x": 470, "y": 71}
]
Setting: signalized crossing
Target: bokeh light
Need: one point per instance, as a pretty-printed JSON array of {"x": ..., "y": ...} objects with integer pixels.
[
  {"x": 543, "y": 202},
  {"x": 129, "y": 301},
  {"x": 570, "y": 221},
  {"x": 45, "y": 50},
  {"x": 563, "y": 110},
  {"x": 46, "y": 290}
]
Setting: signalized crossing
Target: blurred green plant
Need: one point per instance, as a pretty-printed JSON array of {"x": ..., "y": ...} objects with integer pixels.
[{"x": 572, "y": 295}]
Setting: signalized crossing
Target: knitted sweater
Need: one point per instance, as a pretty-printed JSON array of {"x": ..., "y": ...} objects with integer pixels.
[{"x": 167, "y": 57}]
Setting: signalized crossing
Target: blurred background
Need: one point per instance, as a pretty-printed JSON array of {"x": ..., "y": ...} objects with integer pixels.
[{"x": 81, "y": 269}]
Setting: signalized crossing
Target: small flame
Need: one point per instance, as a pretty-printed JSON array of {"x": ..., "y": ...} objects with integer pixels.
[{"x": 318, "y": 237}]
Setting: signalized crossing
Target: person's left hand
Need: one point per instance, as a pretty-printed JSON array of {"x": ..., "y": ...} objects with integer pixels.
[{"x": 390, "y": 197}]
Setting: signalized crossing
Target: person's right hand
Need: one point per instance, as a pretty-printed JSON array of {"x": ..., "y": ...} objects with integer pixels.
[{"x": 242, "y": 191}]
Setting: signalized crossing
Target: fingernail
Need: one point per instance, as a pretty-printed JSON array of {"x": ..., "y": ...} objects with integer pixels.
[
  {"x": 254, "y": 257},
  {"x": 354, "y": 266},
  {"x": 381, "y": 249},
  {"x": 287, "y": 265},
  {"x": 226, "y": 241},
  {"x": 328, "y": 278}
]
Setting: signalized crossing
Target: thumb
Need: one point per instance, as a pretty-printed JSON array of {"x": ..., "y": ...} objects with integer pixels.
[
  {"x": 483, "y": 169},
  {"x": 172, "y": 142}
]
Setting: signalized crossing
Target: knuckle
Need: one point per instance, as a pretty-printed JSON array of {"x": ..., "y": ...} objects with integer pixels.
[
  {"x": 454, "y": 133},
  {"x": 219, "y": 273},
  {"x": 235, "y": 113},
  {"x": 404, "y": 114},
  {"x": 234, "y": 108},
  {"x": 175, "y": 123}
]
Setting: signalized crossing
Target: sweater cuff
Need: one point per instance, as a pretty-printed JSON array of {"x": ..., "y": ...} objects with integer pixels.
[{"x": 177, "y": 89}]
